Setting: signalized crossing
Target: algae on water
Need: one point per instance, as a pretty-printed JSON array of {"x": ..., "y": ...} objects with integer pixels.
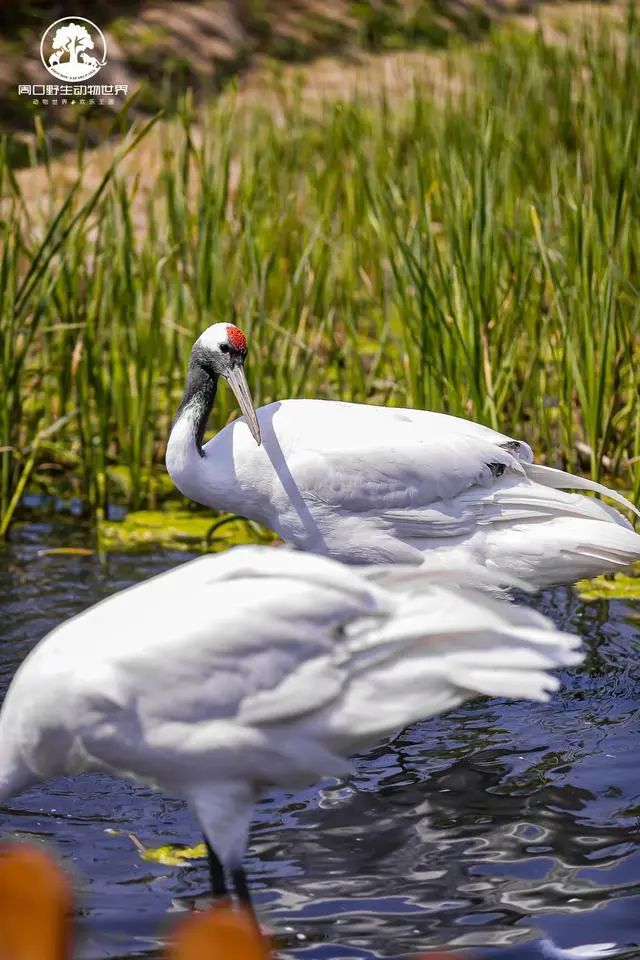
[
  {"x": 622, "y": 586},
  {"x": 169, "y": 855},
  {"x": 179, "y": 529}
]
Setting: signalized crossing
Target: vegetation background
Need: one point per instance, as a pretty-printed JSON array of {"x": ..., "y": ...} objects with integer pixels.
[{"x": 410, "y": 203}]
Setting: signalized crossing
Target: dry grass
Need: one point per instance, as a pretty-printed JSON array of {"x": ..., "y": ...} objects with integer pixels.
[{"x": 368, "y": 76}]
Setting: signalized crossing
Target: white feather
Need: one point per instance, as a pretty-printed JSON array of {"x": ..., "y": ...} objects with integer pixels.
[
  {"x": 366, "y": 484},
  {"x": 260, "y": 666}
]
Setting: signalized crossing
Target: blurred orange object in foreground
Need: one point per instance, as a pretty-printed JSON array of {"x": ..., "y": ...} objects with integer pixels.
[
  {"x": 35, "y": 918},
  {"x": 35, "y": 906},
  {"x": 222, "y": 933},
  {"x": 439, "y": 956}
]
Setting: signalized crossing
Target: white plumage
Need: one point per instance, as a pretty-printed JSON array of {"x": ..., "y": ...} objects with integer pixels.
[
  {"x": 369, "y": 484},
  {"x": 258, "y": 667}
]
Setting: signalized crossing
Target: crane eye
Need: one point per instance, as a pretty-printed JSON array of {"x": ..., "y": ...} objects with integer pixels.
[{"x": 224, "y": 348}]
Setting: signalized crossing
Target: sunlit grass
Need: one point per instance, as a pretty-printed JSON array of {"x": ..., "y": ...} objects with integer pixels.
[{"x": 472, "y": 248}]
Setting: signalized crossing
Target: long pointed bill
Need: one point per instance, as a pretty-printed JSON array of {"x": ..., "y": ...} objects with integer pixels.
[{"x": 238, "y": 383}]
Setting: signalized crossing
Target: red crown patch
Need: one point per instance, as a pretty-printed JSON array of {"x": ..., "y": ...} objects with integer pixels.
[{"x": 236, "y": 338}]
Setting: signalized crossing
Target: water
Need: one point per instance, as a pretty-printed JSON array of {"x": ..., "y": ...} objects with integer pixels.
[{"x": 484, "y": 830}]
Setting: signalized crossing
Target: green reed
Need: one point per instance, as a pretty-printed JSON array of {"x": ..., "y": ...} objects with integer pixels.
[{"x": 472, "y": 247}]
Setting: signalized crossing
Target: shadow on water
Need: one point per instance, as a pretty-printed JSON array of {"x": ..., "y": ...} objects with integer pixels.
[{"x": 486, "y": 829}]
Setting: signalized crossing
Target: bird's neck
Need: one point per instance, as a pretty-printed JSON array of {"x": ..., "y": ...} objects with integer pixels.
[
  {"x": 196, "y": 404},
  {"x": 184, "y": 450}
]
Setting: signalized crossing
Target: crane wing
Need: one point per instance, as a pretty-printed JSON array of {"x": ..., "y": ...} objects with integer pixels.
[
  {"x": 209, "y": 633},
  {"x": 416, "y": 486},
  {"x": 198, "y": 672}
]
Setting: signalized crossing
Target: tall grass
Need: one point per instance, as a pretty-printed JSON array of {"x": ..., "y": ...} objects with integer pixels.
[{"x": 472, "y": 247}]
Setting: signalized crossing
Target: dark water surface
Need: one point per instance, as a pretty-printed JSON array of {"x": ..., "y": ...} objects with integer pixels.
[{"x": 487, "y": 830}]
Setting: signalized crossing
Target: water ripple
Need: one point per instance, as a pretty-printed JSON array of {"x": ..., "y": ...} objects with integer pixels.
[{"x": 491, "y": 828}]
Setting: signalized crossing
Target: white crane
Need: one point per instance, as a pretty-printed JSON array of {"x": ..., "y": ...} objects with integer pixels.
[
  {"x": 369, "y": 484},
  {"x": 258, "y": 667}
]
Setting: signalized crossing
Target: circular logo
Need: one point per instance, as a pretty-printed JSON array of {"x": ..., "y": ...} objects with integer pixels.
[{"x": 73, "y": 49}]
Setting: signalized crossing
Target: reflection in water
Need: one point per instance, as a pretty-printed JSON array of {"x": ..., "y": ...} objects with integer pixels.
[{"x": 490, "y": 827}]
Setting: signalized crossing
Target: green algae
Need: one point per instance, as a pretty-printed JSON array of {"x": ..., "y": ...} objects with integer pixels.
[
  {"x": 179, "y": 529},
  {"x": 622, "y": 586},
  {"x": 169, "y": 855},
  {"x": 66, "y": 552}
]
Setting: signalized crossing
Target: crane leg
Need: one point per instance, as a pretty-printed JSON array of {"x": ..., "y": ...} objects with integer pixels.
[{"x": 216, "y": 872}]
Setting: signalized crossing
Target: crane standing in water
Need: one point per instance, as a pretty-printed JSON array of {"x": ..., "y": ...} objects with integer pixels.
[
  {"x": 370, "y": 484},
  {"x": 261, "y": 667}
]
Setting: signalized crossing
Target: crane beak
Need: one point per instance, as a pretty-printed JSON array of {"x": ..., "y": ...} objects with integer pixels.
[{"x": 238, "y": 382}]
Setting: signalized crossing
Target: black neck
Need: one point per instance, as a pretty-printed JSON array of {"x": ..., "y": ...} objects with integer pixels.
[{"x": 199, "y": 394}]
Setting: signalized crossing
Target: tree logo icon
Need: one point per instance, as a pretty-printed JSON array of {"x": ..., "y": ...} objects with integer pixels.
[{"x": 73, "y": 49}]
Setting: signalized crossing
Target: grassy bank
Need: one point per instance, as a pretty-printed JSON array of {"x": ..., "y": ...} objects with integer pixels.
[
  {"x": 472, "y": 247},
  {"x": 161, "y": 47}
]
